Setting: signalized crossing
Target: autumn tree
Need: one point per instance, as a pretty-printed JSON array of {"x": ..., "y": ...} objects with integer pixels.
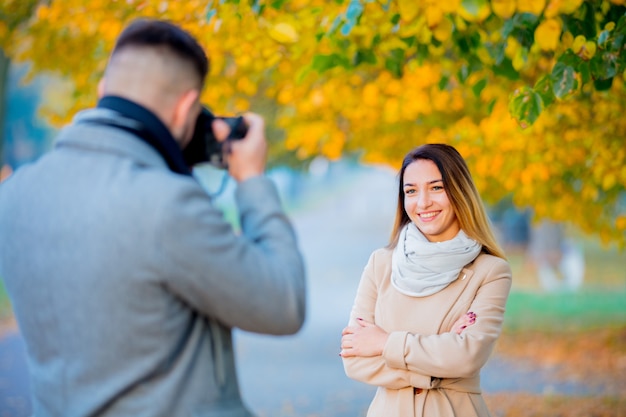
[{"x": 530, "y": 92}]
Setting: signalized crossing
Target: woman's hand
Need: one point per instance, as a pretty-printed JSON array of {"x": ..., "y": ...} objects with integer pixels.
[
  {"x": 366, "y": 339},
  {"x": 463, "y": 322}
]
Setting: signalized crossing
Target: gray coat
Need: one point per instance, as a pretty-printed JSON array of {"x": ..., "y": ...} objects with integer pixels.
[{"x": 126, "y": 280}]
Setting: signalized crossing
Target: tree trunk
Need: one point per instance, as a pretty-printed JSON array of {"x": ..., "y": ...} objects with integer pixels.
[{"x": 4, "y": 76}]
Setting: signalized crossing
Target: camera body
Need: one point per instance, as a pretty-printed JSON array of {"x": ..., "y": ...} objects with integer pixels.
[{"x": 204, "y": 147}]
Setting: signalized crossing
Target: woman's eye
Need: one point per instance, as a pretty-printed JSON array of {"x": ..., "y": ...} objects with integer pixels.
[
  {"x": 409, "y": 191},
  {"x": 437, "y": 187}
]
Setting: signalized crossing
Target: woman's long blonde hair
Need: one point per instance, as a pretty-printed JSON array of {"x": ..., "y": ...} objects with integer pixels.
[{"x": 459, "y": 186}]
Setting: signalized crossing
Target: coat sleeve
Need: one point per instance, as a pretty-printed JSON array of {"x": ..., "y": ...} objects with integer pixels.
[
  {"x": 254, "y": 280},
  {"x": 374, "y": 370},
  {"x": 449, "y": 355}
]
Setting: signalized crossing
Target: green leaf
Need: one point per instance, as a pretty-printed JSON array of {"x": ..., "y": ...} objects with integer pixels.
[
  {"x": 497, "y": 52},
  {"x": 526, "y": 21},
  {"x": 409, "y": 41},
  {"x": 505, "y": 69},
  {"x": 302, "y": 74},
  {"x": 422, "y": 53},
  {"x": 603, "y": 85},
  {"x": 467, "y": 42},
  {"x": 617, "y": 43},
  {"x": 443, "y": 82},
  {"x": 364, "y": 56},
  {"x": 463, "y": 73},
  {"x": 479, "y": 87},
  {"x": 563, "y": 79},
  {"x": 525, "y": 105},
  {"x": 543, "y": 87},
  {"x": 569, "y": 58},
  {"x": 522, "y": 26},
  {"x": 589, "y": 21},
  {"x": 621, "y": 25},
  {"x": 603, "y": 66},
  {"x": 395, "y": 62},
  {"x": 585, "y": 72},
  {"x": 322, "y": 63},
  {"x": 277, "y": 4},
  {"x": 377, "y": 39}
]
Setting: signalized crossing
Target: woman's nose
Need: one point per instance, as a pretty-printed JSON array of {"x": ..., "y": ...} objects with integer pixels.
[{"x": 423, "y": 200}]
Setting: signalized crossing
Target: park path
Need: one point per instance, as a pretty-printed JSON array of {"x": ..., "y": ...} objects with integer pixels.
[{"x": 349, "y": 216}]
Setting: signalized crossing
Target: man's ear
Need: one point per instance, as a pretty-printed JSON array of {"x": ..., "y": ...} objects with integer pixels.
[{"x": 182, "y": 108}]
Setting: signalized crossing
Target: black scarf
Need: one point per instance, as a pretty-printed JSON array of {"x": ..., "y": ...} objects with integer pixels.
[{"x": 152, "y": 131}]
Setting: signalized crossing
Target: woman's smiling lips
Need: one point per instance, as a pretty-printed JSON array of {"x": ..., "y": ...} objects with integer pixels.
[{"x": 428, "y": 216}]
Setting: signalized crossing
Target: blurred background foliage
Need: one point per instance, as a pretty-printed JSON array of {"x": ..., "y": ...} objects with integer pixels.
[{"x": 531, "y": 92}]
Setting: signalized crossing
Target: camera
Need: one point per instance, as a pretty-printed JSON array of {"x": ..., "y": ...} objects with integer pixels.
[{"x": 204, "y": 147}]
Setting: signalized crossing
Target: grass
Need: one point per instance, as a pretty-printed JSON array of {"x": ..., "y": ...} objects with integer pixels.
[
  {"x": 565, "y": 311},
  {"x": 599, "y": 302}
]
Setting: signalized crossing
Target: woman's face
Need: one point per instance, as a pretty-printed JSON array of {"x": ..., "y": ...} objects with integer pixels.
[{"x": 426, "y": 202}]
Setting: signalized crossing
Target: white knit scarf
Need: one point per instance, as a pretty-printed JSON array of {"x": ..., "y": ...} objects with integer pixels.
[{"x": 420, "y": 268}]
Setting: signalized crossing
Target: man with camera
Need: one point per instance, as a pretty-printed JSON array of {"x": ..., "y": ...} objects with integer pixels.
[{"x": 124, "y": 278}]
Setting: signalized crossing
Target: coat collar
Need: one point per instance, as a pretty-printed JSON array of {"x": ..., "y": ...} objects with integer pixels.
[
  {"x": 143, "y": 125},
  {"x": 86, "y": 134}
]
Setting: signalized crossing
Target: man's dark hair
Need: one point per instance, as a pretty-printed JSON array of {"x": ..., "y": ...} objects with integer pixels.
[{"x": 152, "y": 32}]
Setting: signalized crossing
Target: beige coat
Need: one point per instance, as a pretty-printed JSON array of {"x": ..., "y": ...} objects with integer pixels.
[{"x": 421, "y": 351}]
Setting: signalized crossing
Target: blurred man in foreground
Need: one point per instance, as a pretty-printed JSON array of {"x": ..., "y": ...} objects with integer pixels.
[{"x": 124, "y": 278}]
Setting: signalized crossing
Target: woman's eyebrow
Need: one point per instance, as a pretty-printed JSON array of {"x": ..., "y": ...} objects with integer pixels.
[{"x": 409, "y": 184}]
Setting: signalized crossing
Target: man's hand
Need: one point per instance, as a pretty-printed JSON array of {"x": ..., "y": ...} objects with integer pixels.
[
  {"x": 246, "y": 157},
  {"x": 366, "y": 339}
]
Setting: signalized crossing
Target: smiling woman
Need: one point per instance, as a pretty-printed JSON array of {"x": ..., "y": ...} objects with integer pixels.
[
  {"x": 426, "y": 202},
  {"x": 430, "y": 306}
]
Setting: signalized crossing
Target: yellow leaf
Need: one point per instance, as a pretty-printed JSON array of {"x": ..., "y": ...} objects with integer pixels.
[
  {"x": 408, "y": 9},
  {"x": 370, "y": 95},
  {"x": 434, "y": 15},
  {"x": 608, "y": 181},
  {"x": 567, "y": 39},
  {"x": 436, "y": 50},
  {"x": 512, "y": 47},
  {"x": 477, "y": 15},
  {"x": 547, "y": 34},
  {"x": 484, "y": 56},
  {"x": 570, "y": 6},
  {"x": 620, "y": 222},
  {"x": 578, "y": 44},
  {"x": 531, "y": 6},
  {"x": 503, "y": 8},
  {"x": 588, "y": 50},
  {"x": 283, "y": 33},
  {"x": 519, "y": 61},
  {"x": 443, "y": 30}
]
